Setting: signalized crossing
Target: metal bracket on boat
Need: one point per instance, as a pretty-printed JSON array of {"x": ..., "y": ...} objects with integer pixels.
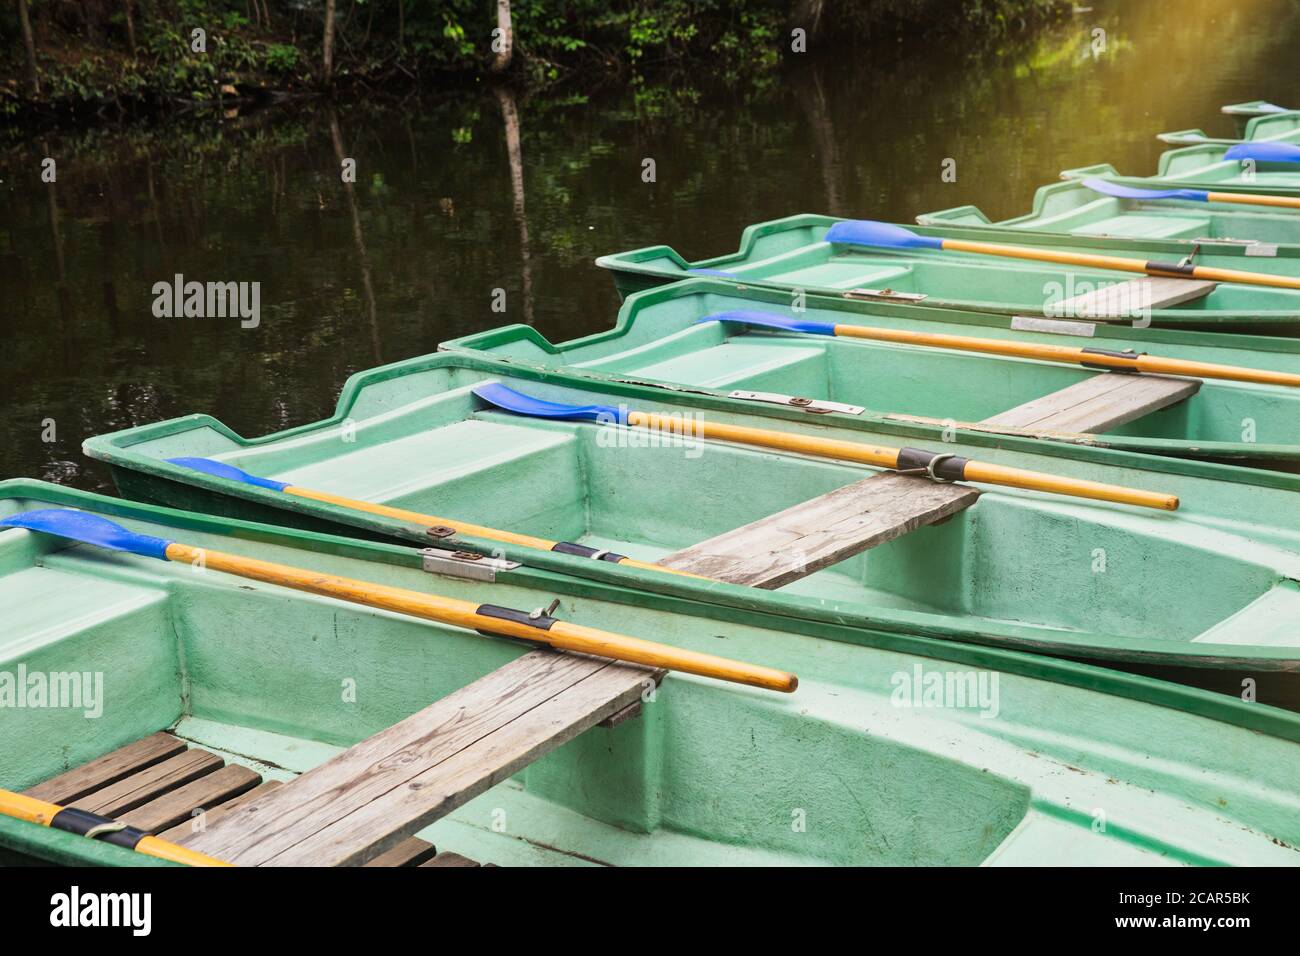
[
  {"x": 464, "y": 564},
  {"x": 540, "y": 618},
  {"x": 937, "y": 466},
  {"x": 1254, "y": 247},
  {"x": 814, "y": 405},
  {"x": 885, "y": 294},
  {"x": 1032, "y": 323},
  {"x": 1267, "y": 250},
  {"x": 1187, "y": 259},
  {"x": 1126, "y": 354},
  {"x": 582, "y": 551}
]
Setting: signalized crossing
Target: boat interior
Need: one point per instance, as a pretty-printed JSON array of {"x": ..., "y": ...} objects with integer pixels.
[
  {"x": 263, "y": 685},
  {"x": 667, "y": 342},
  {"x": 1015, "y": 562}
]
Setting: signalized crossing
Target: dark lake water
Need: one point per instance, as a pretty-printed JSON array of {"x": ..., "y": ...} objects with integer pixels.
[{"x": 438, "y": 219}]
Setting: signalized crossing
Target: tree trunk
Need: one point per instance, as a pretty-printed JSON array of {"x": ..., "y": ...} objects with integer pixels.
[
  {"x": 327, "y": 48},
  {"x": 130, "y": 26},
  {"x": 501, "y": 62},
  {"x": 401, "y": 24},
  {"x": 33, "y": 80},
  {"x": 514, "y": 153}
]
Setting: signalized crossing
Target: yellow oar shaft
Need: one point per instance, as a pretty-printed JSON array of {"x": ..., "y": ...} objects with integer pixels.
[
  {"x": 1248, "y": 278},
  {"x": 1064, "y": 353},
  {"x": 401, "y": 514},
  {"x": 1248, "y": 199},
  {"x": 461, "y": 527},
  {"x": 1047, "y": 255},
  {"x": 886, "y": 457},
  {"x": 445, "y": 610},
  {"x": 39, "y": 811},
  {"x": 1120, "y": 263}
]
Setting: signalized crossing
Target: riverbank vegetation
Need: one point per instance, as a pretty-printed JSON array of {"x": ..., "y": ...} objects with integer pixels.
[{"x": 78, "y": 58}]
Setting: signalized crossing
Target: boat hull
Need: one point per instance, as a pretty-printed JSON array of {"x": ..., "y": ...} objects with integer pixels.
[
  {"x": 1267, "y": 240},
  {"x": 1004, "y": 572},
  {"x": 791, "y": 254},
  {"x": 708, "y": 774},
  {"x": 663, "y": 338}
]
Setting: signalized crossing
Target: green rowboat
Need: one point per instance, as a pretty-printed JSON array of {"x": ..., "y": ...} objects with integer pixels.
[
  {"x": 1211, "y": 585},
  {"x": 1254, "y": 238},
  {"x": 793, "y": 253},
  {"x": 1253, "y": 108},
  {"x": 1274, "y": 127},
  {"x": 1205, "y": 167},
  {"x": 662, "y": 337},
  {"x": 1052, "y": 763}
]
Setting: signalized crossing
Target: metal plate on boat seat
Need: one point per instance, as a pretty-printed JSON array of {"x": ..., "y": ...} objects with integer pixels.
[
  {"x": 817, "y": 405},
  {"x": 1029, "y": 323},
  {"x": 464, "y": 564}
]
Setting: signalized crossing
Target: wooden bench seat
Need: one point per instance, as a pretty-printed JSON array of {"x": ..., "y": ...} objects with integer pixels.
[{"x": 368, "y": 799}]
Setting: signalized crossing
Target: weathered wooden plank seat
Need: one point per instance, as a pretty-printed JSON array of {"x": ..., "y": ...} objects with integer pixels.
[
  {"x": 1097, "y": 404},
  {"x": 1125, "y": 300},
  {"x": 814, "y": 534},
  {"x": 371, "y": 797},
  {"x": 204, "y": 814}
]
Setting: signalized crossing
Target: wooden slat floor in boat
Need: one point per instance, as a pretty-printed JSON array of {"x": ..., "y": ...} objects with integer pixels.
[
  {"x": 163, "y": 786},
  {"x": 364, "y": 802}
]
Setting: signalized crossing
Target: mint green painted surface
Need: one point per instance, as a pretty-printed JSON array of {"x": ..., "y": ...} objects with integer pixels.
[
  {"x": 659, "y": 338},
  {"x": 1018, "y": 569},
  {"x": 1166, "y": 227},
  {"x": 1064, "y": 763},
  {"x": 1204, "y": 167},
  {"x": 1251, "y": 108},
  {"x": 792, "y": 254},
  {"x": 1275, "y": 127}
]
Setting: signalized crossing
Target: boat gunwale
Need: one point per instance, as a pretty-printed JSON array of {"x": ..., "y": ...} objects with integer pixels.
[
  {"x": 698, "y": 601},
  {"x": 483, "y": 344},
  {"x": 1171, "y": 246},
  {"x": 739, "y": 599}
]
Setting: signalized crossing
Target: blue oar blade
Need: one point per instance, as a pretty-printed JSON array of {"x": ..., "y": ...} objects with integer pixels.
[
  {"x": 499, "y": 395},
  {"x": 1265, "y": 152},
  {"x": 88, "y": 529},
  {"x": 1121, "y": 191},
  {"x": 220, "y": 469},
  {"x": 770, "y": 320},
  {"x": 881, "y": 235}
]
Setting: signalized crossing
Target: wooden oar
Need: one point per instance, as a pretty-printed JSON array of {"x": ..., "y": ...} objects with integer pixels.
[
  {"x": 96, "y": 827},
  {"x": 1128, "y": 361},
  {"x": 220, "y": 469},
  {"x": 939, "y": 466},
  {"x": 884, "y": 235},
  {"x": 1120, "y": 191},
  {"x": 536, "y": 627}
]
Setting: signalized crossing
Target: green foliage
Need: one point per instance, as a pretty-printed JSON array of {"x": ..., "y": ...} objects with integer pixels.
[
  {"x": 736, "y": 40},
  {"x": 282, "y": 58}
]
